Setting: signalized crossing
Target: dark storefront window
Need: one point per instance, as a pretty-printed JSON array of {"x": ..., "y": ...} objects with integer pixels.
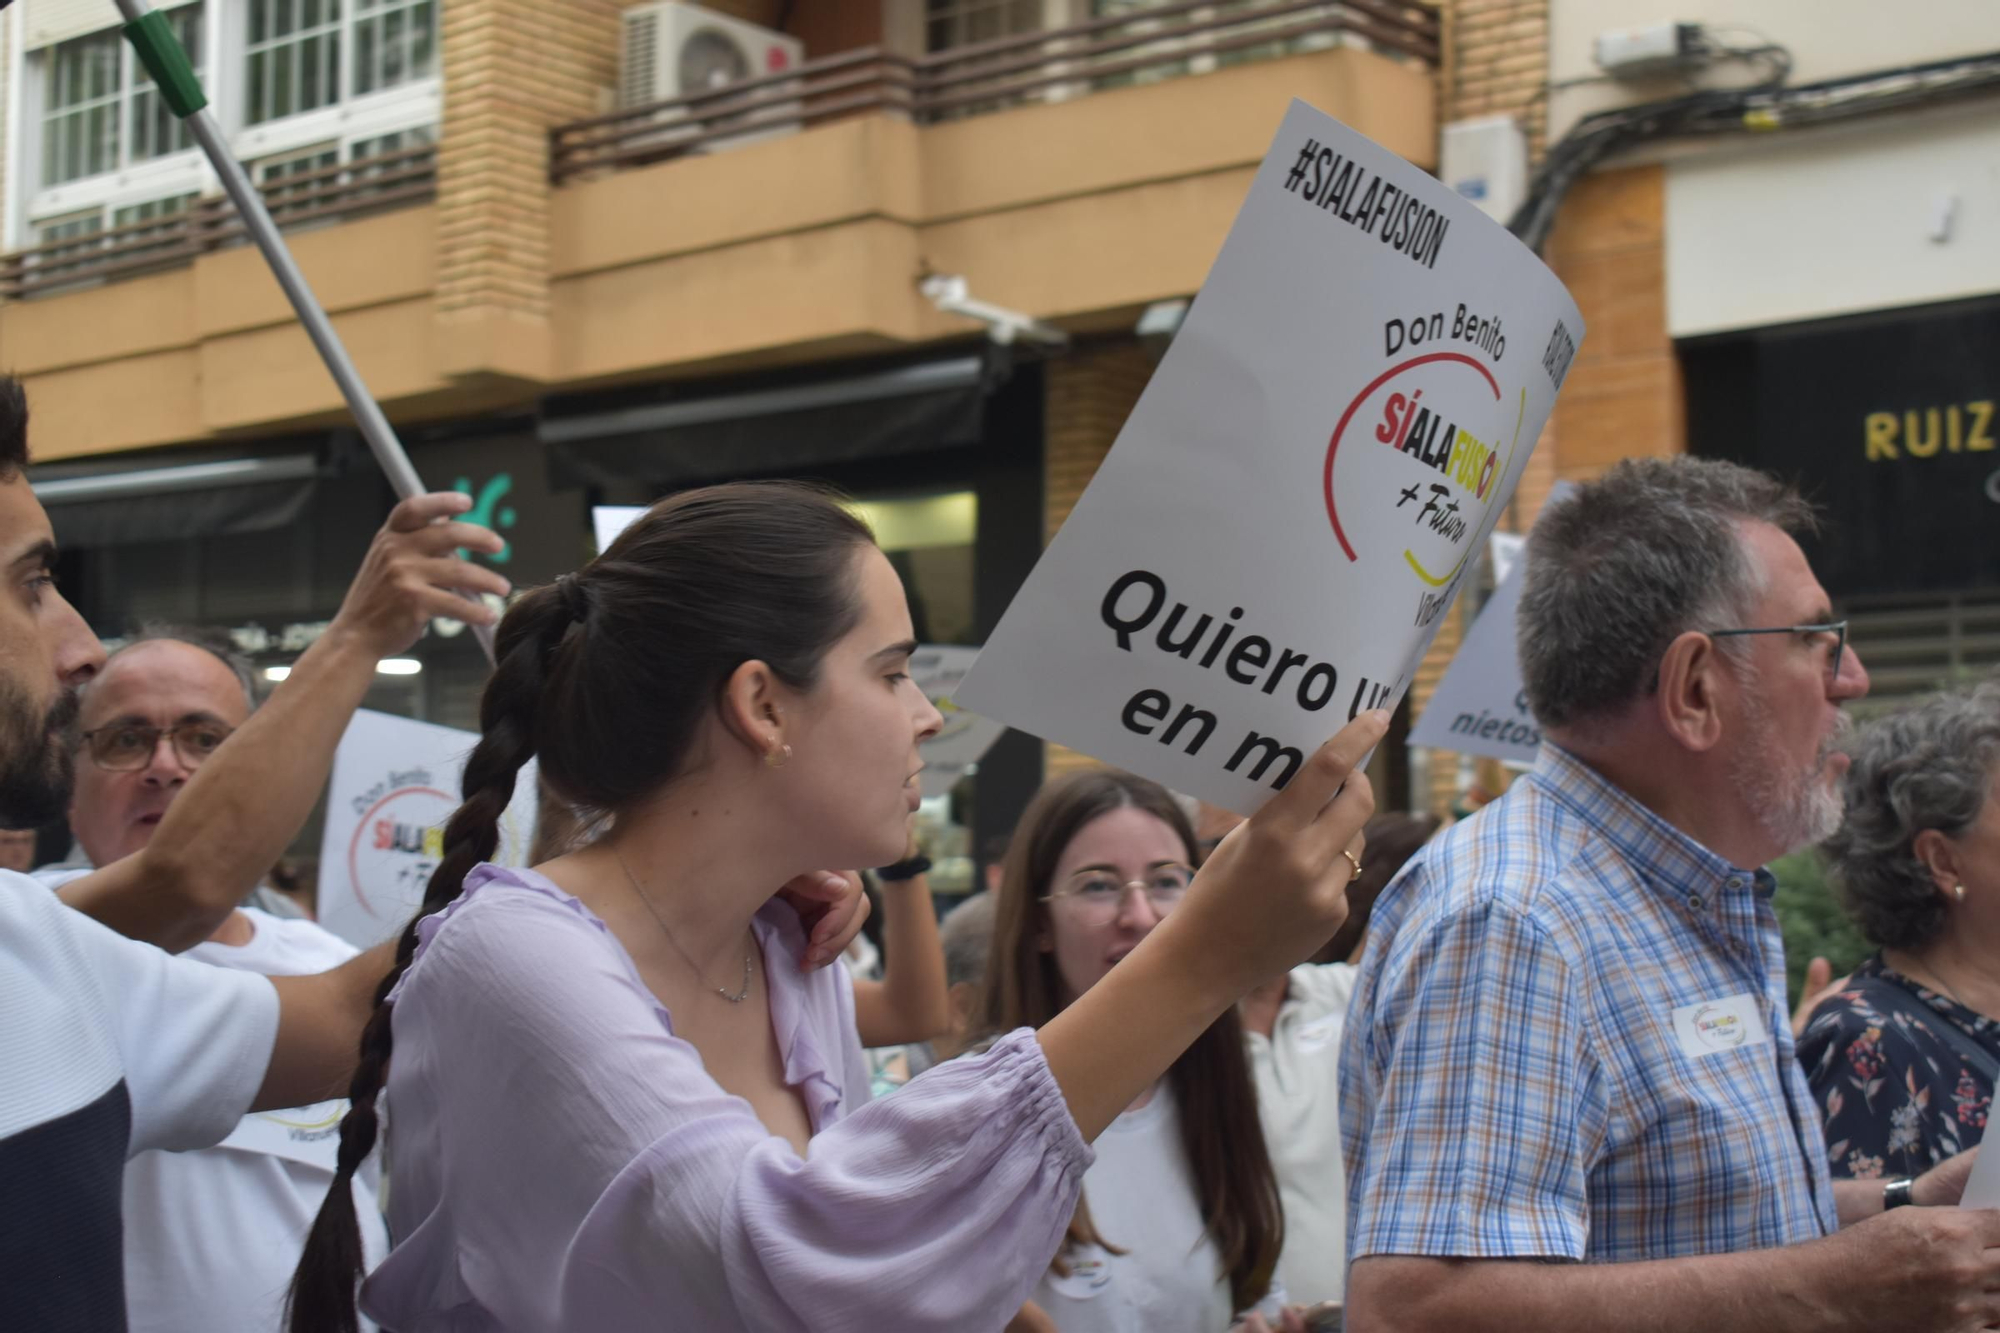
[{"x": 1890, "y": 422}]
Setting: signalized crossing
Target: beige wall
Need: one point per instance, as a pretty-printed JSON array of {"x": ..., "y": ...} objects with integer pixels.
[
  {"x": 212, "y": 348},
  {"x": 1081, "y": 212},
  {"x": 1827, "y": 39},
  {"x": 797, "y": 248}
]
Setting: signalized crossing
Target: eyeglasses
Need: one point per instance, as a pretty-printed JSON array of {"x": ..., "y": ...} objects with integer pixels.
[
  {"x": 1098, "y": 893},
  {"x": 1837, "y": 628},
  {"x": 123, "y": 748}
]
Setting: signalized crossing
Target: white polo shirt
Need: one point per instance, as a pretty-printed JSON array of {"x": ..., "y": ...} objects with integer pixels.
[{"x": 212, "y": 1237}]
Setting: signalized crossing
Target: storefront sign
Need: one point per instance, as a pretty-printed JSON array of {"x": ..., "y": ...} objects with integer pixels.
[
  {"x": 1273, "y": 539},
  {"x": 1890, "y": 423},
  {"x": 507, "y": 476},
  {"x": 395, "y": 783}
]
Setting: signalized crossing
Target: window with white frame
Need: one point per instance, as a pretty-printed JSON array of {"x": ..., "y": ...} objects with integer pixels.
[
  {"x": 100, "y": 109},
  {"x": 395, "y": 42},
  {"x": 303, "y": 88},
  {"x": 301, "y": 55},
  {"x": 950, "y": 24},
  {"x": 73, "y": 227}
]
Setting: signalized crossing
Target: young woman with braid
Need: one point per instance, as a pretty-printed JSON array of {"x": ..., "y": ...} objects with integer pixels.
[{"x": 619, "y": 1104}]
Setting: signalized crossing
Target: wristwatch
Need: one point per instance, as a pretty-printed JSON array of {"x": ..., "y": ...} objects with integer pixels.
[
  {"x": 1897, "y": 1193},
  {"x": 902, "y": 870}
]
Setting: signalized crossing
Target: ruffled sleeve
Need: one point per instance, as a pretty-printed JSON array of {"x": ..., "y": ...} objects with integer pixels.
[{"x": 565, "y": 1162}]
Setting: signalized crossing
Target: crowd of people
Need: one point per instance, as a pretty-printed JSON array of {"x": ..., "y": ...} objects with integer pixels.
[{"x": 1169, "y": 1070}]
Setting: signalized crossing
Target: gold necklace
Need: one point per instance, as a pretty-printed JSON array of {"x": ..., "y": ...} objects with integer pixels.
[{"x": 740, "y": 996}]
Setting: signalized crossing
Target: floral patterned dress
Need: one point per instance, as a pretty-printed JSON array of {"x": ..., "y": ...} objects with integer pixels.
[{"x": 1896, "y": 1096}]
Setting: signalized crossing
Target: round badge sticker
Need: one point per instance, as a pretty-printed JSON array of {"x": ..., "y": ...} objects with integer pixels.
[
  {"x": 1089, "y": 1274},
  {"x": 1414, "y": 464}
]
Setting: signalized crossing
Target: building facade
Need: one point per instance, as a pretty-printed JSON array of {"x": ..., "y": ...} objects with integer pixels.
[{"x": 588, "y": 253}]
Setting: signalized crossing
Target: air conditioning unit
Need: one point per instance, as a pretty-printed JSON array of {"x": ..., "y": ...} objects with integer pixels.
[
  {"x": 1486, "y": 160},
  {"x": 674, "y": 51}
]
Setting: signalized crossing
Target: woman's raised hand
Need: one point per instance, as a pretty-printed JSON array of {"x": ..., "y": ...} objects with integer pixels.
[{"x": 1275, "y": 889}]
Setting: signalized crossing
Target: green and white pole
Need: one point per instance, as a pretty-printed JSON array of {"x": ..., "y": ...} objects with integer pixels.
[{"x": 152, "y": 38}]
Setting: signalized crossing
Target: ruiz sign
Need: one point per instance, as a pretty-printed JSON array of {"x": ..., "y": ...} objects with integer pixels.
[{"x": 1269, "y": 546}]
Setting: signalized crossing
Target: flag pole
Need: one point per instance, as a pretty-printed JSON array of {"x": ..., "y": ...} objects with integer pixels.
[{"x": 152, "y": 37}]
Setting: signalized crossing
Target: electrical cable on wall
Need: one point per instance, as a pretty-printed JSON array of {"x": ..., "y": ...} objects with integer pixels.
[{"x": 1764, "y": 107}]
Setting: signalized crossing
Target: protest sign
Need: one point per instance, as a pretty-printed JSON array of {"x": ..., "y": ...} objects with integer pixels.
[
  {"x": 1479, "y": 707},
  {"x": 1982, "y": 1187},
  {"x": 1271, "y": 542},
  {"x": 965, "y": 737},
  {"x": 395, "y": 783}
]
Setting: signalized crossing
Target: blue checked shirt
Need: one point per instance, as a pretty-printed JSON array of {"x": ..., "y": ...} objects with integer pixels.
[{"x": 1569, "y": 1040}]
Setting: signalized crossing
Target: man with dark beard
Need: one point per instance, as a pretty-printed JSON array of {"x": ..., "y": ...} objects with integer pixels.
[
  {"x": 111, "y": 1047},
  {"x": 1569, "y": 1093}
]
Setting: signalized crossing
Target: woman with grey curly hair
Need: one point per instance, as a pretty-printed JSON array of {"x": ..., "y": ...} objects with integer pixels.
[{"x": 1903, "y": 1058}]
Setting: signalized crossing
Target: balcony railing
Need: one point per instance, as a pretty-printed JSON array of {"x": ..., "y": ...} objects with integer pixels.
[
  {"x": 342, "y": 191},
  {"x": 1143, "y": 46}
]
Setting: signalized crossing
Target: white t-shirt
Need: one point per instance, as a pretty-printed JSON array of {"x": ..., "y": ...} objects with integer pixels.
[
  {"x": 212, "y": 1237},
  {"x": 1142, "y": 1199},
  {"x": 109, "y": 1048},
  {"x": 1296, "y": 1070}
]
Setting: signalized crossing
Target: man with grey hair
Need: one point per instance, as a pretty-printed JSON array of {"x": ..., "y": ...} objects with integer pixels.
[
  {"x": 212, "y": 1235},
  {"x": 1569, "y": 1042}
]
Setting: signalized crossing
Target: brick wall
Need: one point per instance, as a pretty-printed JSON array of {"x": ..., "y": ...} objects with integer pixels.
[
  {"x": 512, "y": 69},
  {"x": 1497, "y": 63},
  {"x": 1623, "y": 395},
  {"x": 1090, "y": 392}
]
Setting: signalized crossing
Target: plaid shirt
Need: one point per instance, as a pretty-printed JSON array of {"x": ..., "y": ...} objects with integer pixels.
[{"x": 1542, "y": 1059}]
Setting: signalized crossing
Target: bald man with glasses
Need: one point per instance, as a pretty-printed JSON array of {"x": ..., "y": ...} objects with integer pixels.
[{"x": 211, "y": 1236}]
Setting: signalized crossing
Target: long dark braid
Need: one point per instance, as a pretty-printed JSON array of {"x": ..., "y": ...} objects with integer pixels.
[{"x": 323, "y": 1290}]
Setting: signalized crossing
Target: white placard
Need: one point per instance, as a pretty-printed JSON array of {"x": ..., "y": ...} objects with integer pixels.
[
  {"x": 965, "y": 737},
  {"x": 1272, "y": 541},
  {"x": 1982, "y": 1187},
  {"x": 1480, "y": 706},
  {"x": 607, "y": 521},
  {"x": 395, "y": 783},
  {"x": 1505, "y": 549}
]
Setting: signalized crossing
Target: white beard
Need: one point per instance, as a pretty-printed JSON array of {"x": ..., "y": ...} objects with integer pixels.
[{"x": 1798, "y": 807}]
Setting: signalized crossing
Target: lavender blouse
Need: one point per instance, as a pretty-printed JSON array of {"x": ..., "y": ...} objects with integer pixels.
[{"x": 562, "y": 1161}]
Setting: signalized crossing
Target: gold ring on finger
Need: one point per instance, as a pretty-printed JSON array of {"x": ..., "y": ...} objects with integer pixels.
[{"x": 1354, "y": 861}]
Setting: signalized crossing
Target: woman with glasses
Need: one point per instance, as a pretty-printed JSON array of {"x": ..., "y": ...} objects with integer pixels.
[
  {"x": 621, "y": 1104},
  {"x": 1179, "y": 1226},
  {"x": 1904, "y": 1055}
]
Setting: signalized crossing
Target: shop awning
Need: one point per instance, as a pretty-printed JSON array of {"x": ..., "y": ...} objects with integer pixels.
[
  {"x": 116, "y": 503},
  {"x": 773, "y": 427}
]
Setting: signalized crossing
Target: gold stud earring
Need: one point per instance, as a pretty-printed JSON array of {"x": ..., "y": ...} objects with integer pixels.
[{"x": 779, "y": 757}]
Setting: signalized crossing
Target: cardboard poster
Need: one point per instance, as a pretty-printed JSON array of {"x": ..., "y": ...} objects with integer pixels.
[
  {"x": 1294, "y": 503},
  {"x": 965, "y": 737},
  {"x": 1480, "y": 707},
  {"x": 395, "y": 783},
  {"x": 607, "y": 521}
]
